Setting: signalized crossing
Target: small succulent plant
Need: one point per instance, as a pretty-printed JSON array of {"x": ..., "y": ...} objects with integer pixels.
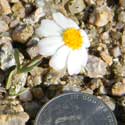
[{"x": 17, "y": 77}]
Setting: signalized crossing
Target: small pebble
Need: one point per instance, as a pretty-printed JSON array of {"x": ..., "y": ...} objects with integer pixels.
[
  {"x": 18, "y": 10},
  {"x": 76, "y": 6},
  {"x": 32, "y": 48},
  {"x": 116, "y": 51},
  {"x": 103, "y": 16},
  {"x": 53, "y": 77},
  {"x": 3, "y": 26},
  {"x": 121, "y": 101},
  {"x": 106, "y": 57},
  {"x": 121, "y": 16},
  {"x": 12, "y": 113},
  {"x": 37, "y": 93},
  {"x": 105, "y": 36},
  {"x": 122, "y": 3},
  {"x": 94, "y": 84},
  {"x": 40, "y": 3},
  {"x": 14, "y": 23},
  {"x": 100, "y": 2},
  {"x": 4, "y": 7},
  {"x": 22, "y": 33},
  {"x": 33, "y": 51},
  {"x": 73, "y": 83},
  {"x": 32, "y": 108},
  {"x": 26, "y": 96},
  {"x": 95, "y": 67},
  {"x": 115, "y": 35},
  {"x": 118, "y": 89},
  {"x": 6, "y": 53},
  {"x": 10, "y": 119},
  {"x": 39, "y": 13},
  {"x": 35, "y": 77},
  {"x": 101, "y": 89},
  {"x": 18, "y": 81}
]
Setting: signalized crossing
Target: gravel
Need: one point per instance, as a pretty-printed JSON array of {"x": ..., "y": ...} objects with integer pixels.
[{"x": 104, "y": 75}]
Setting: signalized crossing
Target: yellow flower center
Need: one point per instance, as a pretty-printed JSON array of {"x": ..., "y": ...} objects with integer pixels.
[{"x": 73, "y": 39}]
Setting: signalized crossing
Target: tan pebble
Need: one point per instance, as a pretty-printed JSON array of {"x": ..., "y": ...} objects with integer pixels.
[
  {"x": 18, "y": 108},
  {"x": 18, "y": 81},
  {"x": 19, "y": 10},
  {"x": 3, "y": 26},
  {"x": 76, "y": 6},
  {"x": 22, "y": 33},
  {"x": 13, "y": 102},
  {"x": 53, "y": 77},
  {"x": 26, "y": 96},
  {"x": 14, "y": 23},
  {"x": 122, "y": 3},
  {"x": 102, "y": 90},
  {"x": 24, "y": 116},
  {"x": 121, "y": 16},
  {"x": 38, "y": 93},
  {"x": 35, "y": 77},
  {"x": 116, "y": 51},
  {"x": 4, "y": 7},
  {"x": 38, "y": 14},
  {"x": 121, "y": 101},
  {"x": 93, "y": 86},
  {"x": 6, "y": 55},
  {"x": 101, "y": 47},
  {"x": 105, "y": 35},
  {"x": 41, "y": 3},
  {"x": 19, "y": 118},
  {"x": 103, "y": 16},
  {"x": 95, "y": 83},
  {"x": 33, "y": 51},
  {"x": 118, "y": 89},
  {"x": 107, "y": 58},
  {"x": 95, "y": 67}
]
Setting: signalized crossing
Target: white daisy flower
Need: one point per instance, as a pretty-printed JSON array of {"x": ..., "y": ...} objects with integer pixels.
[{"x": 65, "y": 42}]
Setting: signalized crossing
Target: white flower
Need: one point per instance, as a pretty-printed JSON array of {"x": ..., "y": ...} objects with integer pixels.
[{"x": 65, "y": 42}]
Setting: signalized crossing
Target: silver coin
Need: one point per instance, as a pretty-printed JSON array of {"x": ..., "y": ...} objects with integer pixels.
[{"x": 75, "y": 109}]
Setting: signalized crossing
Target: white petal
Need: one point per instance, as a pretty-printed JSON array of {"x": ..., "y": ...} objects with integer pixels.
[
  {"x": 48, "y": 46},
  {"x": 84, "y": 56},
  {"x": 74, "y": 62},
  {"x": 48, "y": 28},
  {"x": 64, "y": 22},
  {"x": 86, "y": 42},
  {"x": 58, "y": 61}
]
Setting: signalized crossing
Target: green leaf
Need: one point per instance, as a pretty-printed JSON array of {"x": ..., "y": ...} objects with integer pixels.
[
  {"x": 34, "y": 61},
  {"x": 28, "y": 67},
  {"x": 9, "y": 80},
  {"x": 12, "y": 93},
  {"x": 16, "y": 55}
]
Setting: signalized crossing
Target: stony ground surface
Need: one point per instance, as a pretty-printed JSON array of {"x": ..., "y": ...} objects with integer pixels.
[{"x": 23, "y": 92}]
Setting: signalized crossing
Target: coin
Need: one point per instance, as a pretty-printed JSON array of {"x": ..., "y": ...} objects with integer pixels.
[{"x": 75, "y": 109}]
